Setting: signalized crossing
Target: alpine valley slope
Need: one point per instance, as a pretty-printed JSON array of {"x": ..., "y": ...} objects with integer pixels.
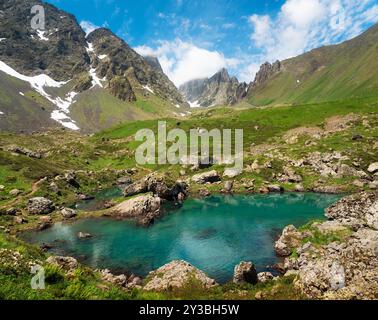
[
  {"x": 61, "y": 77},
  {"x": 336, "y": 72}
]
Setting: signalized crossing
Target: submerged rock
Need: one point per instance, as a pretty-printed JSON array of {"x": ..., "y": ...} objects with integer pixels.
[
  {"x": 84, "y": 235},
  {"x": 176, "y": 274},
  {"x": 245, "y": 272}
]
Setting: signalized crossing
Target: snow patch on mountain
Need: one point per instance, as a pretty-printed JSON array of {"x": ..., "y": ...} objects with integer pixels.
[
  {"x": 39, "y": 83},
  {"x": 148, "y": 89},
  {"x": 41, "y": 35},
  {"x": 194, "y": 104}
]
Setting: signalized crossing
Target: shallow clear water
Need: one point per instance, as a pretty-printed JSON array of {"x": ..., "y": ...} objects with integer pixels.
[
  {"x": 213, "y": 234},
  {"x": 101, "y": 197}
]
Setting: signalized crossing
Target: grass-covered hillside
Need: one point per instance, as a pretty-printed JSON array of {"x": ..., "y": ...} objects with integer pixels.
[
  {"x": 347, "y": 70},
  {"x": 322, "y": 147}
]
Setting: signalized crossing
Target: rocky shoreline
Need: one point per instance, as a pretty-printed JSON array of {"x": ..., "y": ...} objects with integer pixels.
[{"x": 335, "y": 259}]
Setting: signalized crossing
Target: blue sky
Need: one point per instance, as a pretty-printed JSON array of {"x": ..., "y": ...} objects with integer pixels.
[{"x": 195, "y": 38}]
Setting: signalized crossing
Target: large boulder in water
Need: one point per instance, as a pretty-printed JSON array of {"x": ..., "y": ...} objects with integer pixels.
[
  {"x": 40, "y": 205},
  {"x": 177, "y": 274},
  {"x": 161, "y": 186},
  {"x": 143, "y": 208}
]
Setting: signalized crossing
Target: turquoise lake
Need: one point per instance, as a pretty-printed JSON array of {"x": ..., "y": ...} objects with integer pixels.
[{"x": 213, "y": 234}]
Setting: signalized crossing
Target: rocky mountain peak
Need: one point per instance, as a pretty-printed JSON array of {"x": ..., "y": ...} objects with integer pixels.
[
  {"x": 221, "y": 76},
  {"x": 267, "y": 70},
  {"x": 154, "y": 63},
  {"x": 220, "y": 89}
]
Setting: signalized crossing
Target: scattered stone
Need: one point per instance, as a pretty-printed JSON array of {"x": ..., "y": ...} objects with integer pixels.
[
  {"x": 2, "y": 188},
  {"x": 84, "y": 197},
  {"x": 65, "y": 263},
  {"x": 120, "y": 280},
  {"x": 356, "y": 210},
  {"x": 289, "y": 240},
  {"x": 357, "y": 137},
  {"x": 18, "y": 220},
  {"x": 68, "y": 213},
  {"x": 245, "y": 272},
  {"x": 124, "y": 181},
  {"x": 176, "y": 274},
  {"x": 12, "y": 211},
  {"x": 275, "y": 188},
  {"x": 264, "y": 277},
  {"x": 202, "y": 178},
  {"x": 15, "y": 192},
  {"x": 345, "y": 269},
  {"x": 373, "y": 168},
  {"x": 264, "y": 190},
  {"x": 26, "y": 152},
  {"x": 299, "y": 188},
  {"x": 359, "y": 183},
  {"x": 232, "y": 173},
  {"x": 70, "y": 178},
  {"x": 182, "y": 173},
  {"x": 329, "y": 189},
  {"x": 228, "y": 185},
  {"x": 40, "y": 205},
  {"x": 54, "y": 187},
  {"x": 204, "y": 193}
]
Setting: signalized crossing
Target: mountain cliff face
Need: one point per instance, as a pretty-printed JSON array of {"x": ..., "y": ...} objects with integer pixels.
[
  {"x": 59, "y": 51},
  {"x": 220, "y": 89},
  {"x": 59, "y": 77},
  {"x": 347, "y": 70},
  {"x": 154, "y": 63}
]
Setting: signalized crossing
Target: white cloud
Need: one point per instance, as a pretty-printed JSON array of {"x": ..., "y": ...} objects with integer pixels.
[
  {"x": 88, "y": 26},
  {"x": 183, "y": 61},
  {"x": 302, "y": 25}
]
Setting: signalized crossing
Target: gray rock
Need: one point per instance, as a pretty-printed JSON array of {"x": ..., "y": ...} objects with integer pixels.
[
  {"x": 202, "y": 178},
  {"x": 66, "y": 263},
  {"x": 176, "y": 274},
  {"x": 289, "y": 239},
  {"x": 373, "y": 168},
  {"x": 204, "y": 193},
  {"x": 68, "y": 213},
  {"x": 15, "y": 192},
  {"x": 228, "y": 185},
  {"x": 275, "y": 188},
  {"x": 264, "y": 277},
  {"x": 40, "y": 205},
  {"x": 143, "y": 208},
  {"x": 231, "y": 173}
]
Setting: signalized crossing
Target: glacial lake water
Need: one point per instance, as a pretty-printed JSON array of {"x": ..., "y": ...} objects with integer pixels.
[{"x": 213, "y": 234}]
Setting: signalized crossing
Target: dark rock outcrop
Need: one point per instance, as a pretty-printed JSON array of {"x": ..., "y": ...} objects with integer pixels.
[{"x": 245, "y": 272}]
